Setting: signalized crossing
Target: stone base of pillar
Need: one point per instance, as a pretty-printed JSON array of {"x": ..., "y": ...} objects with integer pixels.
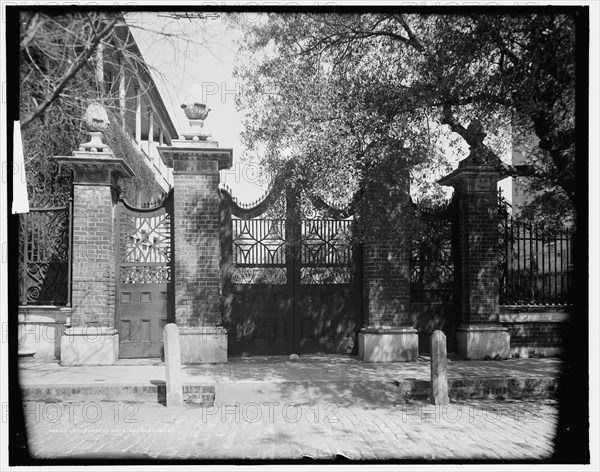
[
  {"x": 89, "y": 345},
  {"x": 483, "y": 341},
  {"x": 388, "y": 344},
  {"x": 204, "y": 345}
]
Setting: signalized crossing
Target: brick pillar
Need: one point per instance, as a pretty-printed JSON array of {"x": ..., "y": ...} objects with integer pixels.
[
  {"x": 480, "y": 334},
  {"x": 92, "y": 337},
  {"x": 388, "y": 334},
  {"x": 198, "y": 306}
]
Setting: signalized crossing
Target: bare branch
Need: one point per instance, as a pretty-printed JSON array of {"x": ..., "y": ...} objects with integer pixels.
[
  {"x": 413, "y": 38},
  {"x": 448, "y": 119},
  {"x": 75, "y": 67}
]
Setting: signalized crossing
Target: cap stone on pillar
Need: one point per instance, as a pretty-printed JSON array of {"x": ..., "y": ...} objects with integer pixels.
[{"x": 196, "y": 145}]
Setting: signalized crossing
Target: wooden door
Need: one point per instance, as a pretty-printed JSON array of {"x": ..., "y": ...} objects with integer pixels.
[{"x": 143, "y": 316}]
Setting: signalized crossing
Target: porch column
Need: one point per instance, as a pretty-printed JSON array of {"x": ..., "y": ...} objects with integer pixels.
[
  {"x": 92, "y": 337},
  {"x": 196, "y": 161},
  {"x": 388, "y": 334},
  {"x": 138, "y": 117},
  {"x": 150, "y": 132},
  {"x": 480, "y": 333},
  {"x": 122, "y": 95}
]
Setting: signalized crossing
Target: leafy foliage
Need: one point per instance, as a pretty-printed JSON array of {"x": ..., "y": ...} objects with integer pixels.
[
  {"x": 333, "y": 92},
  {"x": 548, "y": 206},
  {"x": 142, "y": 187}
]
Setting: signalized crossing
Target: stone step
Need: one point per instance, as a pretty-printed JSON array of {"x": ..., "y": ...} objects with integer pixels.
[
  {"x": 155, "y": 392},
  {"x": 373, "y": 394},
  {"x": 485, "y": 388}
]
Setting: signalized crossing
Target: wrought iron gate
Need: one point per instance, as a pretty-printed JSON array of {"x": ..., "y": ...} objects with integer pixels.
[
  {"x": 144, "y": 275},
  {"x": 434, "y": 281},
  {"x": 292, "y": 282}
]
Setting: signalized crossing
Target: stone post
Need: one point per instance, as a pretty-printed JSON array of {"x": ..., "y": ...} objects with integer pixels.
[
  {"x": 480, "y": 335},
  {"x": 92, "y": 338},
  {"x": 439, "y": 368},
  {"x": 173, "y": 365},
  {"x": 196, "y": 161},
  {"x": 388, "y": 334}
]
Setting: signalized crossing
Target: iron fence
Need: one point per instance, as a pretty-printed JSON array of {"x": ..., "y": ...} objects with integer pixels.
[
  {"x": 45, "y": 256},
  {"x": 536, "y": 264}
]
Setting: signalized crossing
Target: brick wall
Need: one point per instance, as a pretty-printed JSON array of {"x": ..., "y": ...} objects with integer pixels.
[
  {"x": 431, "y": 309},
  {"x": 535, "y": 335},
  {"x": 93, "y": 289},
  {"x": 386, "y": 285},
  {"x": 478, "y": 247},
  {"x": 538, "y": 328},
  {"x": 197, "y": 245}
]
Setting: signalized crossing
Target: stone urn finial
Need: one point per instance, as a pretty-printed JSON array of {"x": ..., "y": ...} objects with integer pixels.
[
  {"x": 476, "y": 132},
  {"x": 480, "y": 154},
  {"x": 95, "y": 121},
  {"x": 196, "y": 111},
  {"x": 196, "y": 114}
]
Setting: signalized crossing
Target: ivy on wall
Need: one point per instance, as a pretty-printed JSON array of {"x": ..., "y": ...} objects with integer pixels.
[{"x": 142, "y": 187}]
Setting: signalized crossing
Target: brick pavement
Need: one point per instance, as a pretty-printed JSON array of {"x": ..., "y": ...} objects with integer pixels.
[{"x": 473, "y": 429}]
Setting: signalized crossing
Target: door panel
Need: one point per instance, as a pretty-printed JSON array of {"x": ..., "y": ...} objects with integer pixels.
[
  {"x": 143, "y": 310},
  {"x": 327, "y": 319},
  {"x": 262, "y": 321}
]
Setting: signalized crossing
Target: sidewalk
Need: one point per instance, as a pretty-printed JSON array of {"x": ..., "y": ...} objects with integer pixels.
[
  {"x": 309, "y": 377},
  {"x": 465, "y": 431},
  {"x": 319, "y": 407}
]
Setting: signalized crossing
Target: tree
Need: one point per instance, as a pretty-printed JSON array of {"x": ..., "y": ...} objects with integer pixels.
[{"x": 331, "y": 91}]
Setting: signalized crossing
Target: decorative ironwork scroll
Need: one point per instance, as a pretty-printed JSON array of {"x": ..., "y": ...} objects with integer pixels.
[
  {"x": 311, "y": 212},
  {"x": 259, "y": 275},
  {"x": 144, "y": 252},
  {"x": 144, "y": 275},
  {"x": 44, "y": 249},
  {"x": 325, "y": 275}
]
